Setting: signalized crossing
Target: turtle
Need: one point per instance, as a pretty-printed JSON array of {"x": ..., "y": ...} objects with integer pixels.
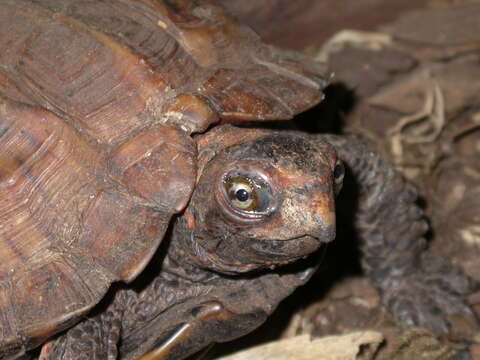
[{"x": 116, "y": 155}]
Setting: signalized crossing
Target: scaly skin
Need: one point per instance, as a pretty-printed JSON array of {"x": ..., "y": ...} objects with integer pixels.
[
  {"x": 148, "y": 318},
  {"x": 418, "y": 289}
]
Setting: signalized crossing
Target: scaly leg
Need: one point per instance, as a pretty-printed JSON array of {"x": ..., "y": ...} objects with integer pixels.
[{"x": 418, "y": 288}]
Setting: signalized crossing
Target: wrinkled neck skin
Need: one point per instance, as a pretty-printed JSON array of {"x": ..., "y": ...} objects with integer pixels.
[
  {"x": 198, "y": 256},
  {"x": 181, "y": 259},
  {"x": 245, "y": 302},
  {"x": 188, "y": 262}
]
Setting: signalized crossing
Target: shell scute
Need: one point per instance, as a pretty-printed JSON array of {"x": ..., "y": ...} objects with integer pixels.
[
  {"x": 159, "y": 165},
  {"x": 50, "y": 296},
  {"x": 43, "y": 167},
  {"x": 119, "y": 234},
  {"x": 11, "y": 342},
  {"x": 78, "y": 72}
]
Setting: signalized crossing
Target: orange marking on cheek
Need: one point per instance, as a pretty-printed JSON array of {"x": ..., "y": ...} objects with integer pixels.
[{"x": 287, "y": 179}]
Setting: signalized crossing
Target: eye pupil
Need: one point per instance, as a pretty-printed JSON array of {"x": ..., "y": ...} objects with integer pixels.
[
  {"x": 338, "y": 171},
  {"x": 242, "y": 195}
]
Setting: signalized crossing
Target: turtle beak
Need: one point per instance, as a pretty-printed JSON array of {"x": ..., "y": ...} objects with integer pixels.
[
  {"x": 325, "y": 215},
  {"x": 323, "y": 210}
]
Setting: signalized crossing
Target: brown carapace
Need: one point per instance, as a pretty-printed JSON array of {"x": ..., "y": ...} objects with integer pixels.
[{"x": 98, "y": 102}]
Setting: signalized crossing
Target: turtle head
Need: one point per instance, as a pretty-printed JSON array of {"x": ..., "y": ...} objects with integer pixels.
[{"x": 262, "y": 199}]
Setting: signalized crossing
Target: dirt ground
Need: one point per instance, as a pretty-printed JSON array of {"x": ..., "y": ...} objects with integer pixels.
[
  {"x": 302, "y": 23},
  {"x": 407, "y": 77}
]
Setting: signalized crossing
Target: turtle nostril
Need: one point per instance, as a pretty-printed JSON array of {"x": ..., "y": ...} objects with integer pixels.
[
  {"x": 328, "y": 234},
  {"x": 325, "y": 219},
  {"x": 326, "y": 227}
]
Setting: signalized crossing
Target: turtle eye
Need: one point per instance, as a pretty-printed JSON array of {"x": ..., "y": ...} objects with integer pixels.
[
  {"x": 338, "y": 175},
  {"x": 247, "y": 195},
  {"x": 242, "y": 194}
]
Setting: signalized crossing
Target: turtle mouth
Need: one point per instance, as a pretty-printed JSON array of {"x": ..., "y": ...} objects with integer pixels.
[
  {"x": 255, "y": 254},
  {"x": 283, "y": 252}
]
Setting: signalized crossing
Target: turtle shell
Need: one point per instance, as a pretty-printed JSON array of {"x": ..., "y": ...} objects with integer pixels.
[{"x": 98, "y": 101}]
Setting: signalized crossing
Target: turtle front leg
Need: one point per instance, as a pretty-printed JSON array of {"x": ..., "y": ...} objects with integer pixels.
[
  {"x": 419, "y": 288},
  {"x": 224, "y": 310},
  {"x": 176, "y": 346}
]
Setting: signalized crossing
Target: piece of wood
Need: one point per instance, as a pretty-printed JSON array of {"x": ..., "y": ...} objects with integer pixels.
[{"x": 341, "y": 347}]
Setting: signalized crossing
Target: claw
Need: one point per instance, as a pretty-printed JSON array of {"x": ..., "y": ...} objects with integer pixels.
[
  {"x": 431, "y": 301},
  {"x": 163, "y": 351},
  {"x": 212, "y": 310}
]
